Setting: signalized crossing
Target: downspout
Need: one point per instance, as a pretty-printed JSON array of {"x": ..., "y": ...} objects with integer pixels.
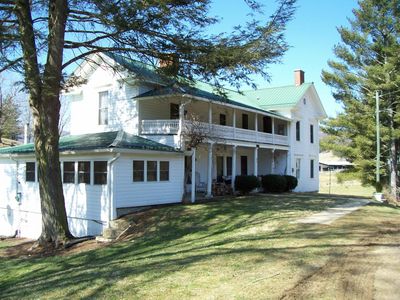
[
  {"x": 18, "y": 195},
  {"x": 110, "y": 189}
]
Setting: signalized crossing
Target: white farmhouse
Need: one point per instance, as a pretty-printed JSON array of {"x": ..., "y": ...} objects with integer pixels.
[{"x": 127, "y": 145}]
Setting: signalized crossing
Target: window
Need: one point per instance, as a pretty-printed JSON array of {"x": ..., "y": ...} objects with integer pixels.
[
  {"x": 69, "y": 172},
  {"x": 245, "y": 121},
  {"x": 243, "y": 165},
  {"x": 30, "y": 172},
  {"x": 174, "y": 111},
  {"x": 138, "y": 170},
  {"x": 281, "y": 129},
  {"x": 222, "y": 119},
  {"x": 311, "y": 134},
  {"x": 267, "y": 124},
  {"x": 311, "y": 168},
  {"x": 151, "y": 170},
  {"x": 100, "y": 172},
  {"x": 298, "y": 162},
  {"x": 103, "y": 108},
  {"x": 164, "y": 170},
  {"x": 84, "y": 172},
  {"x": 298, "y": 131}
]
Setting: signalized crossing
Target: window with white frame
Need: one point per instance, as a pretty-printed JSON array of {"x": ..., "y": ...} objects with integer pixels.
[
  {"x": 298, "y": 167},
  {"x": 151, "y": 170},
  {"x": 138, "y": 170},
  {"x": 164, "y": 170},
  {"x": 311, "y": 168},
  {"x": 69, "y": 172},
  {"x": 311, "y": 134},
  {"x": 100, "y": 172},
  {"x": 84, "y": 172},
  {"x": 298, "y": 131},
  {"x": 30, "y": 172},
  {"x": 103, "y": 108}
]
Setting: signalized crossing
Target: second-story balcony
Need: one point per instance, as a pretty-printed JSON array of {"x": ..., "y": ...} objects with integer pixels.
[{"x": 219, "y": 132}]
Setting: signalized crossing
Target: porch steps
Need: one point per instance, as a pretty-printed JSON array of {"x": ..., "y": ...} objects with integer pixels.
[{"x": 116, "y": 227}]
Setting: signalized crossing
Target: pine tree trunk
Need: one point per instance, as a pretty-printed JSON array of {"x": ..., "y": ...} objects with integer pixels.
[
  {"x": 54, "y": 219},
  {"x": 44, "y": 91},
  {"x": 394, "y": 171}
]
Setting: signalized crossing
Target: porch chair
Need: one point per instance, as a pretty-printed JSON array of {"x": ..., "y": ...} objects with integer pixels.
[{"x": 200, "y": 186}]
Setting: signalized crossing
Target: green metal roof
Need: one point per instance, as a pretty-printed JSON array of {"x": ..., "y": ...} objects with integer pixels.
[
  {"x": 92, "y": 141},
  {"x": 141, "y": 70},
  {"x": 284, "y": 96},
  {"x": 260, "y": 99},
  {"x": 240, "y": 100}
]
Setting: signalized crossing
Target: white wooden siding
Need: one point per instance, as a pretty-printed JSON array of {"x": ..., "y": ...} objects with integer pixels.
[
  {"x": 130, "y": 194},
  {"x": 86, "y": 205},
  {"x": 122, "y": 109},
  {"x": 306, "y": 113}
]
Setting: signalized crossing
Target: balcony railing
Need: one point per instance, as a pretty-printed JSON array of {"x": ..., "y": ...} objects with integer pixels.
[{"x": 160, "y": 127}]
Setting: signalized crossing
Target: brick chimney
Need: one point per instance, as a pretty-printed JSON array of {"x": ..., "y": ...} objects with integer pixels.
[{"x": 298, "y": 77}]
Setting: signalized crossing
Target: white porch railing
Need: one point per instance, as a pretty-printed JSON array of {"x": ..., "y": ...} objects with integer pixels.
[
  {"x": 216, "y": 131},
  {"x": 160, "y": 126}
]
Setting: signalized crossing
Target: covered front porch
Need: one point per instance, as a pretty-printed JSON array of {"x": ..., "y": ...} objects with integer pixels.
[
  {"x": 169, "y": 116},
  {"x": 212, "y": 165}
]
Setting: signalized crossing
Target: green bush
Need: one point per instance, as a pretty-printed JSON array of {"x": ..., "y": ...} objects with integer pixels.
[
  {"x": 246, "y": 183},
  {"x": 274, "y": 183},
  {"x": 291, "y": 182}
]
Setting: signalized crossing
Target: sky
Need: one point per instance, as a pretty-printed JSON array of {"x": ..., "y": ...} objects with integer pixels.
[{"x": 311, "y": 34}]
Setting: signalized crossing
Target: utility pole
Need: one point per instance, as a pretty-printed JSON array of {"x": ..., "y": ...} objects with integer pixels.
[{"x": 378, "y": 140}]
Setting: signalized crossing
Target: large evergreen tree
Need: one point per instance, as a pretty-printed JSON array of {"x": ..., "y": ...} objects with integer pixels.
[
  {"x": 40, "y": 38},
  {"x": 9, "y": 116},
  {"x": 367, "y": 62}
]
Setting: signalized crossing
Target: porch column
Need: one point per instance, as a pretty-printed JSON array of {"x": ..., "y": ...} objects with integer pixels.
[
  {"x": 256, "y": 161},
  {"x": 224, "y": 171},
  {"x": 209, "y": 114},
  {"x": 288, "y": 163},
  {"x": 233, "y": 167},
  {"x": 193, "y": 191},
  {"x": 234, "y": 123},
  {"x": 256, "y": 126},
  {"x": 209, "y": 170},
  {"x": 273, "y": 161},
  {"x": 289, "y": 152},
  {"x": 273, "y": 130},
  {"x": 180, "y": 129}
]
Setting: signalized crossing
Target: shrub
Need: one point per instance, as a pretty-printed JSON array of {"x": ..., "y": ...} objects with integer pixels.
[
  {"x": 246, "y": 183},
  {"x": 274, "y": 183},
  {"x": 291, "y": 182}
]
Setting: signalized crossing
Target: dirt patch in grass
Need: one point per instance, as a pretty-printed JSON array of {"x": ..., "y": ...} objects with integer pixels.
[
  {"x": 141, "y": 223},
  {"x": 23, "y": 248},
  {"x": 369, "y": 269}
]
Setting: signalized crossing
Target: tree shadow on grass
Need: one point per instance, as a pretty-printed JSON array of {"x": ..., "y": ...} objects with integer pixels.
[{"x": 196, "y": 236}]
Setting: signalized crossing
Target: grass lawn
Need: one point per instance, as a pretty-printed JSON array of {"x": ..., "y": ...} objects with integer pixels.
[
  {"x": 329, "y": 184},
  {"x": 245, "y": 248}
]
